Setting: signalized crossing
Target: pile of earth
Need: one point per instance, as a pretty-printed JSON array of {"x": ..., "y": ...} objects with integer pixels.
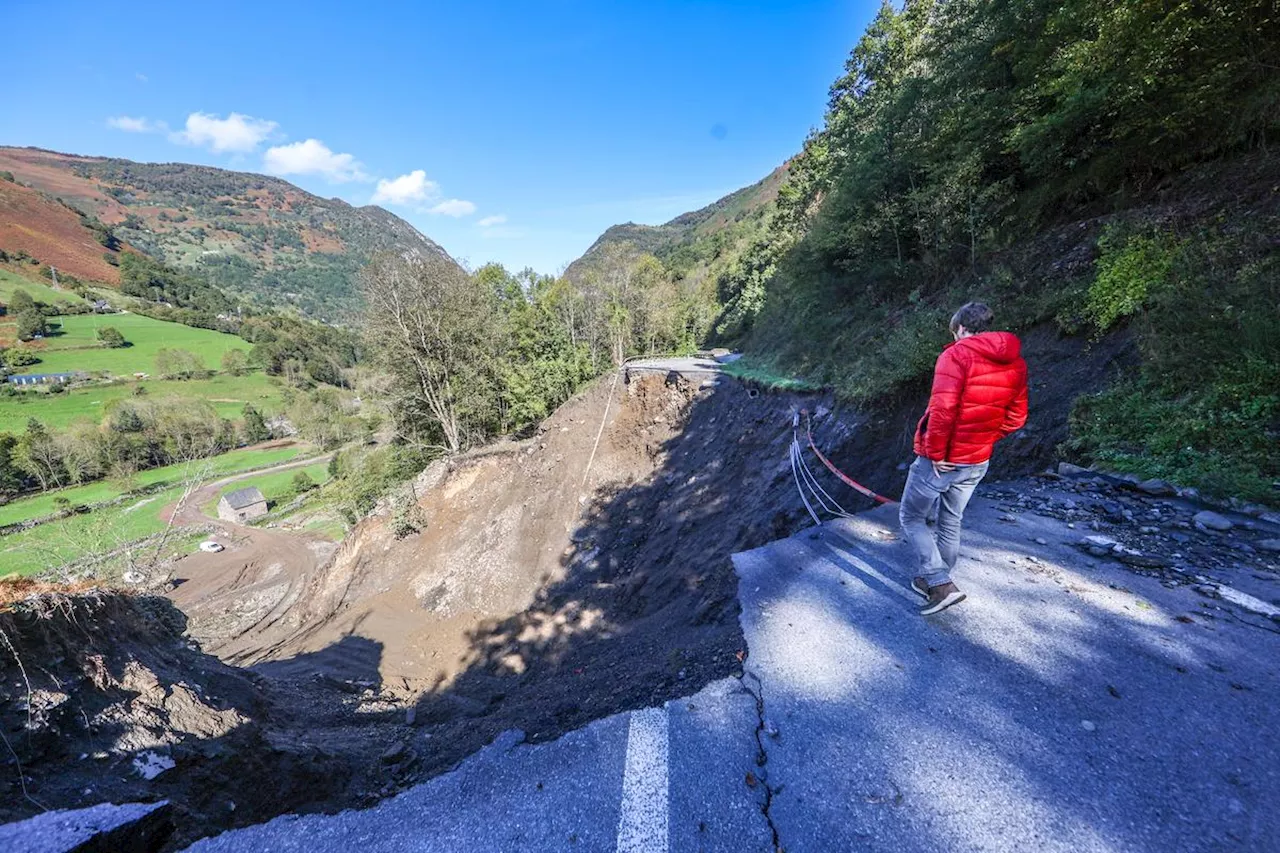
[
  {"x": 554, "y": 581},
  {"x": 103, "y": 699}
]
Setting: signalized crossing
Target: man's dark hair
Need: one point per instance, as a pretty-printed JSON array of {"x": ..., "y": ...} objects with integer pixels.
[{"x": 974, "y": 316}]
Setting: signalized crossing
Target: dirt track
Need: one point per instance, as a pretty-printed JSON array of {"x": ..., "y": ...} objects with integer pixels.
[{"x": 239, "y": 594}]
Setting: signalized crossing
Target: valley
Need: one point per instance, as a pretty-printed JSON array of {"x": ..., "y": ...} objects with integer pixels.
[{"x": 314, "y": 533}]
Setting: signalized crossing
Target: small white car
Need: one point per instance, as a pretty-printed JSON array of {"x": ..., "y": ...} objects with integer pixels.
[{"x": 211, "y": 547}]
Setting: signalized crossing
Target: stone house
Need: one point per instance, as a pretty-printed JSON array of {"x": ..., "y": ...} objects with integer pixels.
[{"x": 242, "y": 505}]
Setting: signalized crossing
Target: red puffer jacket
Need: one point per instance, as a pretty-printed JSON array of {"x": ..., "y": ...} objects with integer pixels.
[{"x": 979, "y": 396}]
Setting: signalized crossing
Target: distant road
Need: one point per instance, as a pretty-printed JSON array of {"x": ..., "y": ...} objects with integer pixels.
[{"x": 691, "y": 366}]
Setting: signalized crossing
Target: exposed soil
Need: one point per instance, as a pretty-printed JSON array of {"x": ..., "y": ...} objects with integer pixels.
[
  {"x": 555, "y": 582},
  {"x": 95, "y": 684}
]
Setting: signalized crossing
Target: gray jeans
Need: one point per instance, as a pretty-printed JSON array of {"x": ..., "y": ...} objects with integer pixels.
[{"x": 937, "y": 549}]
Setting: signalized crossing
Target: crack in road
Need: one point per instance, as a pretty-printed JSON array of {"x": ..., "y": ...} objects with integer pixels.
[{"x": 762, "y": 756}]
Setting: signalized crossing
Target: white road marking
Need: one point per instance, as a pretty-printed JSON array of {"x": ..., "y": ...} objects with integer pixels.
[{"x": 642, "y": 828}]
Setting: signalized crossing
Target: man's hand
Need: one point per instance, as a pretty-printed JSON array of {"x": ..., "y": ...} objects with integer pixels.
[{"x": 940, "y": 468}]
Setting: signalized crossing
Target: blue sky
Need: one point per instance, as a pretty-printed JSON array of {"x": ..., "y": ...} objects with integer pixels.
[{"x": 514, "y": 132}]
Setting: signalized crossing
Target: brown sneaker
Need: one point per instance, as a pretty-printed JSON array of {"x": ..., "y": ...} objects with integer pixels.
[
  {"x": 941, "y": 597},
  {"x": 920, "y": 586}
]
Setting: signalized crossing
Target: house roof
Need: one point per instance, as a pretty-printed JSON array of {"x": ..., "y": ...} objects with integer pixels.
[{"x": 241, "y": 498}]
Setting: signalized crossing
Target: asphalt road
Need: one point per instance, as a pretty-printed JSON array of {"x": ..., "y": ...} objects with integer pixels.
[
  {"x": 668, "y": 779},
  {"x": 1055, "y": 710}
]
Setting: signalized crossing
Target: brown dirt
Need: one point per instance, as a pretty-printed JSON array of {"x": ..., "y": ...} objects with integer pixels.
[
  {"x": 90, "y": 682},
  {"x": 251, "y": 588}
]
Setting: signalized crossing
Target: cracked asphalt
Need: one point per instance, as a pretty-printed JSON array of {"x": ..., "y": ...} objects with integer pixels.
[{"x": 1065, "y": 706}]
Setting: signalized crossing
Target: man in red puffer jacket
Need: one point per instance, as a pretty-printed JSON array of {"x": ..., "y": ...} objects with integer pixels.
[{"x": 979, "y": 396}]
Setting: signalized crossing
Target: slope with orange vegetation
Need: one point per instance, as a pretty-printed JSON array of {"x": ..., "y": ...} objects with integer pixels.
[
  {"x": 52, "y": 233},
  {"x": 246, "y": 233}
]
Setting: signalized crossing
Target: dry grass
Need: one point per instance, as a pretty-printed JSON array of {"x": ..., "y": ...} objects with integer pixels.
[{"x": 15, "y": 589}]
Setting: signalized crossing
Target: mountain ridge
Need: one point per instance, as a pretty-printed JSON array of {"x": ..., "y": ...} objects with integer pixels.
[
  {"x": 256, "y": 235},
  {"x": 725, "y": 215}
]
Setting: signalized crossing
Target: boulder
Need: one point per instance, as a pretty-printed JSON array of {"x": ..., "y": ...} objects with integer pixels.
[
  {"x": 1269, "y": 544},
  {"x": 1066, "y": 469},
  {"x": 1144, "y": 561},
  {"x": 1157, "y": 487},
  {"x": 1099, "y": 546},
  {"x": 1212, "y": 521}
]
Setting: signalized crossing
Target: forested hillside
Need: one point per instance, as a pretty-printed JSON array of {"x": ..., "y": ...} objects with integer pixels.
[
  {"x": 255, "y": 236},
  {"x": 1102, "y": 168}
]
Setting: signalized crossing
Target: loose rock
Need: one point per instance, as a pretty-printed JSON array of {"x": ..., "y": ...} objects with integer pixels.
[
  {"x": 1212, "y": 521},
  {"x": 1156, "y": 487}
]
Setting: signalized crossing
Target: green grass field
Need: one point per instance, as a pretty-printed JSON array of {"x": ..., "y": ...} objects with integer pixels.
[
  {"x": 276, "y": 487},
  {"x": 228, "y": 394},
  {"x": 245, "y": 459},
  {"x": 74, "y": 346},
  {"x": 59, "y": 543},
  {"x": 11, "y": 281}
]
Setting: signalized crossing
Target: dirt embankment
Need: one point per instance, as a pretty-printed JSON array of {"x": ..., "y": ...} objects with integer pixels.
[
  {"x": 98, "y": 690},
  {"x": 557, "y": 580}
]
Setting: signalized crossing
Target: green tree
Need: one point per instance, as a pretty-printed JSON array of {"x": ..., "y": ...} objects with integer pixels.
[
  {"x": 179, "y": 364},
  {"x": 110, "y": 336},
  {"x": 18, "y": 357},
  {"x": 435, "y": 330},
  {"x": 30, "y": 324},
  {"x": 302, "y": 483},
  {"x": 39, "y": 456},
  {"x": 235, "y": 362},
  {"x": 20, "y": 301},
  {"x": 253, "y": 425},
  {"x": 13, "y": 478}
]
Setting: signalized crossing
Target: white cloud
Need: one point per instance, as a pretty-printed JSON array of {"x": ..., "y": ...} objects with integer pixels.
[
  {"x": 142, "y": 78},
  {"x": 454, "y": 207},
  {"x": 490, "y": 221},
  {"x": 236, "y": 132},
  {"x": 129, "y": 124},
  {"x": 313, "y": 157},
  {"x": 406, "y": 189},
  {"x": 417, "y": 190}
]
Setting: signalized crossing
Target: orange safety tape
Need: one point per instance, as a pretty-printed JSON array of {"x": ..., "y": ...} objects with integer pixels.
[{"x": 848, "y": 481}]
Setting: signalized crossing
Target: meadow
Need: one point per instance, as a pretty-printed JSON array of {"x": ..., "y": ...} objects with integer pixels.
[
  {"x": 11, "y": 281},
  {"x": 104, "y": 530},
  {"x": 228, "y": 394},
  {"x": 62, "y": 542},
  {"x": 73, "y": 345},
  {"x": 276, "y": 487},
  {"x": 245, "y": 459}
]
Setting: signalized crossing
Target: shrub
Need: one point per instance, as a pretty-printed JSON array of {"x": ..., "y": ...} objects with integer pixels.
[
  {"x": 235, "y": 362},
  {"x": 110, "y": 336},
  {"x": 406, "y": 517},
  {"x": 19, "y": 357},
  {"x": 1128, "y": 272},
  {"x": 302, "y": 483}
]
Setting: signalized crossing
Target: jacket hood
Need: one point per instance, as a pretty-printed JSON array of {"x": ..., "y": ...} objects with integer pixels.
[{"x": 1000, "y": 347}]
